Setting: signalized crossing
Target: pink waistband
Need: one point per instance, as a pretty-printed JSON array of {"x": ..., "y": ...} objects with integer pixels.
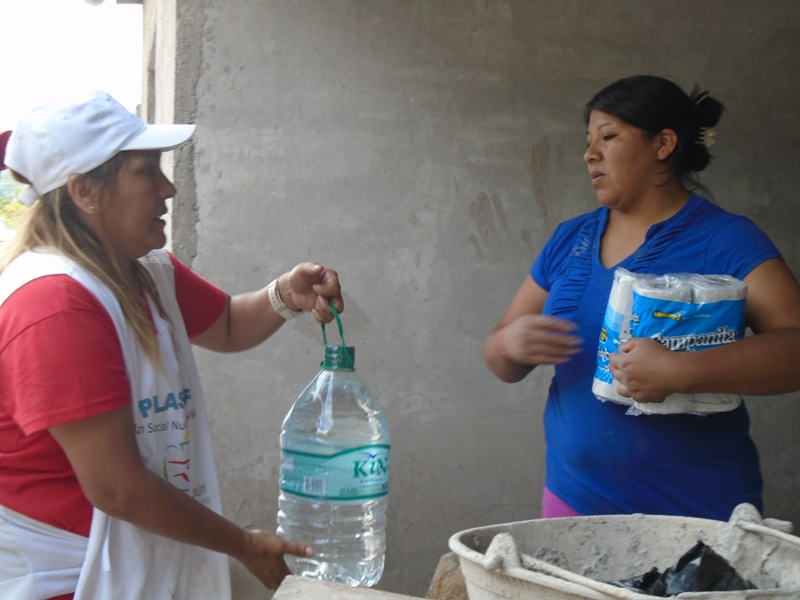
[{"x": 553, "y": 506}]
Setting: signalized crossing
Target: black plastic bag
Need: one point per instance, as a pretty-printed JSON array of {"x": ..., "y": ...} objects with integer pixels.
[
  {"x": 699, "y": 570},
  {"x": 642, "y": 583}
]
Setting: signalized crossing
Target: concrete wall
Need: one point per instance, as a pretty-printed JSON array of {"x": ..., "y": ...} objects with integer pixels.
[{"x": 426, "y": 150}]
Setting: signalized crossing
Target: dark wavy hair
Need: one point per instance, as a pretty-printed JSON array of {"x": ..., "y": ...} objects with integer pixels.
[{"x": 653, "y": 104}]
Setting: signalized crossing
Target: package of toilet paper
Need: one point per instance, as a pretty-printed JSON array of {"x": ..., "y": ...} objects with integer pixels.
[
  {"x": 685, "y": 312},
  {"x": 615, "y": 331}
]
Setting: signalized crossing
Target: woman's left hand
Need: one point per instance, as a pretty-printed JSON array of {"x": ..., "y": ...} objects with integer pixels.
[
  {"x": 264, "y": 556},
  {"x": 646, "y": 370},
  {"x": 311, "y": 287}
]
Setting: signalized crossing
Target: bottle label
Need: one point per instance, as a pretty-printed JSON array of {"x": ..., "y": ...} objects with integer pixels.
[{"x": 354, "y": 474}]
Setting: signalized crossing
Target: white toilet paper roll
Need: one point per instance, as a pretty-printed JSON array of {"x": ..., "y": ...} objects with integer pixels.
[
  {"x": 617, "y": 326},
  {"x": 607, "y": 392},
  {"x": 621, "y": 300},
  {"x": 667, "y": 287},
  {"x": 698, "y": 404},
  {"x": 716, "y": 288}
]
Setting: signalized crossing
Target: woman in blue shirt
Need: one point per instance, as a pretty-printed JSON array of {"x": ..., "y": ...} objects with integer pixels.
[{"x": 646, "y": 138}]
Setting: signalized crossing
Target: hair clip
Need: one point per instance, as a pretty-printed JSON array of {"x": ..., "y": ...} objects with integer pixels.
[{"x": 707, "y": 137}]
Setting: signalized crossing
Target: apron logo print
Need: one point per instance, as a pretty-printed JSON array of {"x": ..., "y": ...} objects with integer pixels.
[
  {"x": 180, "y": 462},
  {"x": 171, "y": 402},
  {"x": 176, "y": 466}
]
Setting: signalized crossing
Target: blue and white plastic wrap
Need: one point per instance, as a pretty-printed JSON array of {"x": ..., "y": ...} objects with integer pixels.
[{"x": 683, "y": 311}]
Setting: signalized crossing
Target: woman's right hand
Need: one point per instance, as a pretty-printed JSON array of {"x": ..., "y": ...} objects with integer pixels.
[
  {"x": 264, "y": 556},
  {"x": 524, "y": 337},
  {"x": 534, "y": 339}
]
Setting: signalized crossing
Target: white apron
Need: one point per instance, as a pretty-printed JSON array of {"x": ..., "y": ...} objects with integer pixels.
[
  {"x": 122, "y": 561},
  {"x": 37, "y": 560}
]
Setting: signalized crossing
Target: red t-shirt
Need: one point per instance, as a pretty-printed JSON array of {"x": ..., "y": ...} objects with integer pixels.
[{"x": 60, "y": 361}]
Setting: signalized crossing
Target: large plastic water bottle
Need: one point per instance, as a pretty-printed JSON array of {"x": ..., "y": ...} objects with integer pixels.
[{"x": 334, "y": 475}]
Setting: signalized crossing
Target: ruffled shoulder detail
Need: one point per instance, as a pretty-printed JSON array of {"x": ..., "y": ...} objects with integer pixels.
[{"x": 578, "y": 271}]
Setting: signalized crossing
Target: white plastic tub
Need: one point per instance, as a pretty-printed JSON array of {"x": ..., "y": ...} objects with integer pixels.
[{"x": 571, "y": 558}]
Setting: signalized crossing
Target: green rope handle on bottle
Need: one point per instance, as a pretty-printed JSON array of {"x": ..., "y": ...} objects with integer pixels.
[{"x": 350, "y": 363}]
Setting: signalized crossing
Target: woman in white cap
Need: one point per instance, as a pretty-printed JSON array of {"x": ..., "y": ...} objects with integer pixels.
[{"x": 107, "y": 483}]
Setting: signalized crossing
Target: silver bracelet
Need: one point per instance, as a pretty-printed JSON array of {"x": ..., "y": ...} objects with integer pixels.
[{"x": 277, "y": 302}]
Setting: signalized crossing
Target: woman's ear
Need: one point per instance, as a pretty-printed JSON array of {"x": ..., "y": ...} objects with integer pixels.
[
  {"x": 667, "y": 141},
  {"x": 85, "y": 193}
]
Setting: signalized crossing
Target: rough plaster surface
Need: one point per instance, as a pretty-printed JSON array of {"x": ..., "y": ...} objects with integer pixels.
[{"x": 426, "y": 150}]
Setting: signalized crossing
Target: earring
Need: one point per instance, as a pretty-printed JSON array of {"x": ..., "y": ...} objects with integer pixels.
[{"x": 91, "y": 207}]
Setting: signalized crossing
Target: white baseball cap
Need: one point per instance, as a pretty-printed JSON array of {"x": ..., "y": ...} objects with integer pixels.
[{"x": 70, "y": 137}]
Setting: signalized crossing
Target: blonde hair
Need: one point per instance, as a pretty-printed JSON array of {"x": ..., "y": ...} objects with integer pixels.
[{"x": 53, "y": 222}]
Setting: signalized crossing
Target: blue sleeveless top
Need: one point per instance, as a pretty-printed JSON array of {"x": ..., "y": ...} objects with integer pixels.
[{"x": 602, "y": 461}]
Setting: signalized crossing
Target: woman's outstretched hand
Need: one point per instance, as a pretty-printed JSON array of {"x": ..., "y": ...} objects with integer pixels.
[{"x": 539, "y": 340}]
